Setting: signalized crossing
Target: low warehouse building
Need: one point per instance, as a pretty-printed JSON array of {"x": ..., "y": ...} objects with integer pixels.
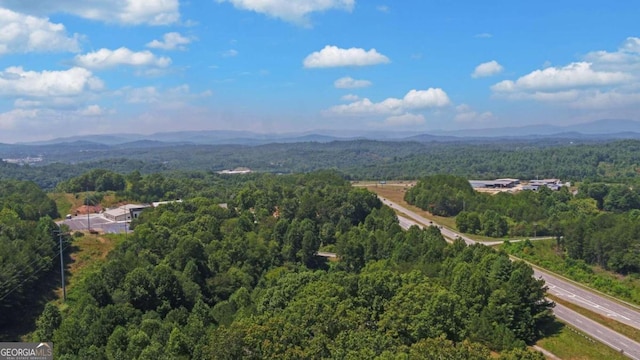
[{"x": 124, "y": 212}]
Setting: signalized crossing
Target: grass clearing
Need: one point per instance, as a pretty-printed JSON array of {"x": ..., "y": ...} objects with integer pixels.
[
  {"x": 65, "y": 202},
  {"x": 87, "y": 253},
  {"x": 570, "y": 344}
]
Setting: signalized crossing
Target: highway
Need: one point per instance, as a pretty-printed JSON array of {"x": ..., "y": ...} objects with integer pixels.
[
  {"x": 598, "y": 332},
  {"x": 562, "y": 288}
]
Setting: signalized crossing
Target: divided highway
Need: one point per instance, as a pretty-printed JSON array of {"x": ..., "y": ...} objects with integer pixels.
[{"x": 562, "y": 288}]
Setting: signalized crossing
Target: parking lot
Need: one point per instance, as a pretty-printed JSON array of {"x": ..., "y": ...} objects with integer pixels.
[{"x": 95, "y": 222}]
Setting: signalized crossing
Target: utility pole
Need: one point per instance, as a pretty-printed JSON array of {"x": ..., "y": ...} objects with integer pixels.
[
  {"x": 125, "y": 222},
  {"x": 64, "y": 289},
  {"x": 88, "y": 217}
]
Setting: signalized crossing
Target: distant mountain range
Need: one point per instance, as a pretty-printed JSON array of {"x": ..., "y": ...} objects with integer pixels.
[{"x": 600, "y": 129}]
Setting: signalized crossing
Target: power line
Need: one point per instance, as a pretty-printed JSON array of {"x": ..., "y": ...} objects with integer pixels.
[
  {"x": 27, "y": 266},
  {"x": 30, "y": 276}
]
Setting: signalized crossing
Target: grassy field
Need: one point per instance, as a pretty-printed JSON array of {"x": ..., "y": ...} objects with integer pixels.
[
  {"x": 85, "y": 254},
  {"x": 88, "y": 252},
  {"x": 570, "y": 344},
  {"x": 65, "y": 202}
]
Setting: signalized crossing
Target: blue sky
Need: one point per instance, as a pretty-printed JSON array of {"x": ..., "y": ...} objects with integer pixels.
[{"x": 71, "y": 67}]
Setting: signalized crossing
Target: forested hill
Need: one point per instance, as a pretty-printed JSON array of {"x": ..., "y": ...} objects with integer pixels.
[
  {"x": 199, "y": 281},
  {"x": 361, "y": 159}
]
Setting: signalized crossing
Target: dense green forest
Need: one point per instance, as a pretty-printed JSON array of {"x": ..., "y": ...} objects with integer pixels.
[
  {"x": 358, "y": 159},
  {"x": 198, "y": 280},
  {"x": 28, "y": 247},
  {"x": 598, "y": 225}
]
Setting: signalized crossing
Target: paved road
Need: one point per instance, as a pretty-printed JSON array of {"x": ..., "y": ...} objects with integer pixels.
[
  {"x": 561, "y": 288},
  {"x": 565, "y": 289},
  {"x": 598, "y": 332}
]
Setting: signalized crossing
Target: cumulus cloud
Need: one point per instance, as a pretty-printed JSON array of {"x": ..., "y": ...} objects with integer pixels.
[
  {"x": 170, "y": 41},
  {"x": 10, "y": 119},
  {"x": 577, "y": 74},
  {"x": 489, "y": 68},
  {"x": 91, "y": 110},
  {"x": 21, "y": 33},
  {"x": 405, "y": 120},
  {"x": 631, "y": 44},
  {"x": 16, "y": 82},
  {"x": 350, "y": 83},
  {"x": 106, "y": 58},
  {"x": 333, "y": 56},
  {"x": 413, "y": 100},
  {"x": 596, "y": 99},
  {"x": 601, "y": 80},
  {"x": 129, "y": 12},
  {"x": 291, "y": 11},
  {"x": 626, "y": 58},
  {"x": 464, "y": 113}
]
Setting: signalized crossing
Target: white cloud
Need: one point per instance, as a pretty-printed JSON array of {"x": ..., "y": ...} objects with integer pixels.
[
  {"x": 291, "y": 11},
  {"x": 105, "y": 58},
  {"x": 631, "y": 44},
  {"x": 333, "y": 56},
  {"x": 383, "y": 8},
  {"x": 413, "y": 100},
  {"x": 577, "y": 74},
  {"x": 130, "y": 12},
  {"x": 15, "y": 81},
  {"x": 230, "y": 53},
  {"x": 11, "y": 119},
  {"x": 464, "y": 113},
  {"x": 350, "y": 97},
  {"x": 21, "y": 33},
  {"x": 350, "y": 83},
  {"x": 170, "y": 41},
  {"x": 483, "y": 36},
  {"x": 420, "y": 99},
  {"x": 627, "y": 58},
  {"x": 52, "y": 102},
  {"x": 602, "y": 80},
  {"x": 91, "y": 110},
  {"x": 489, "y": 68},
  {"x": 596, "y": 99},
  {"x": 405, "y": 120}
]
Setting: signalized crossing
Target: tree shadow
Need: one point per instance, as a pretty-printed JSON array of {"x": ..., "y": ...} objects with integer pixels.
[
  {"x": 552, "y": 328},
  {"x": 18, "y": 322}
]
